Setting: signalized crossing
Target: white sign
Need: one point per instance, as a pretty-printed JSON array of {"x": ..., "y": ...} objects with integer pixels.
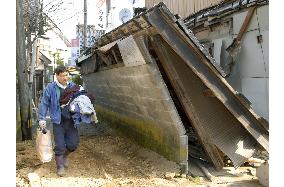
[{"x": 101, "y": 13}]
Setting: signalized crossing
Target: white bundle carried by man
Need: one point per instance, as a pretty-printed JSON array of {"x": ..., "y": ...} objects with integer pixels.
[{"x": 44, "y": 145}]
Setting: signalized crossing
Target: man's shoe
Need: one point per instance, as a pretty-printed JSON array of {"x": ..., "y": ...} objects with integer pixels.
[
  {"x": 60, "y": 172},
  {"x": 66, "y": 161},
  {"x": 60, "y": 165}
]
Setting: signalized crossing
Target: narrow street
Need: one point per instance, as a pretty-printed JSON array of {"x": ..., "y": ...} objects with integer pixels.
[
  {"x": 106, "y": 159},
  {"x": 180, "y": 88}
]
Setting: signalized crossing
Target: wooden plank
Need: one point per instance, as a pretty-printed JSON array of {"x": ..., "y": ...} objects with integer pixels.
[
  {"x": 209, "y": 176},
  {"x": 112, "y": 66},
  {"x": 104, "y": 58},
  {"x": 208, "y": 93},
  {"x": 148, "y": 31},
  {"x": 114, "y": 55}
]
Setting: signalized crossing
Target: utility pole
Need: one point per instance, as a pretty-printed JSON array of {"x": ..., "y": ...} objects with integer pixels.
[
  {"x": 85, "y": 24},
  {"x": 53, "y": 66},
  {"x": 22, "y": 77}
]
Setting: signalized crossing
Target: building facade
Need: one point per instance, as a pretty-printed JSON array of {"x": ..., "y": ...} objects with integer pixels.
[{"x": 183, "y": 7}]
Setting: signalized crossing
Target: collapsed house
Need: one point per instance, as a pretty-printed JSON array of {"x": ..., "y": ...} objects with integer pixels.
[
  {"x": 159, "y": 86},
  {"x": 247, "y": 66}
]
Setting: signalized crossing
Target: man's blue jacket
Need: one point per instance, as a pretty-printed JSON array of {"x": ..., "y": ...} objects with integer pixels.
[{"x": 50, "y": 101}]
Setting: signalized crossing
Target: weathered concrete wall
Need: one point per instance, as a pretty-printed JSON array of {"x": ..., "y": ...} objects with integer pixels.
[{"x": 135, "y": 100}]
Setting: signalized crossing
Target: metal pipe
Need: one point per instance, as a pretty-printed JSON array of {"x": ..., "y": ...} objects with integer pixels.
[{"x": 85, "y": 23}]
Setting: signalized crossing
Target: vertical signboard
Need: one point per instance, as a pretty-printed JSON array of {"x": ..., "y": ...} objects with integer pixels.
[
  {"x": 75, "y": 51},
  {"x": 75, "y": 42},
  {"x": 101, "y": 12}
]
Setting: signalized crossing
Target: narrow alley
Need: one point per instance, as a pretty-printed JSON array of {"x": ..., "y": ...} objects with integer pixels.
[
  {"x": 106, "y": 159},
  {"x": 162, "y": 93}
]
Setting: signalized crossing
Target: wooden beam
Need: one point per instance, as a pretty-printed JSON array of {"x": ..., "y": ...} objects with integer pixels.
[
  {"x": 104, "y": 58},
  {"x": 208, "y": 93},
  {"x": 211, "y": 150}
]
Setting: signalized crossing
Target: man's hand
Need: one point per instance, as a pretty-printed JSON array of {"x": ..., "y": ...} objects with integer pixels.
[{"x": 42, "y": 124}]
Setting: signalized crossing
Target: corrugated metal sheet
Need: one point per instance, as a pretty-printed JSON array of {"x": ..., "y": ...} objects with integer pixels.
[
  {"x": 183, "y": 7},
  {"x": 208, "y": 113}
]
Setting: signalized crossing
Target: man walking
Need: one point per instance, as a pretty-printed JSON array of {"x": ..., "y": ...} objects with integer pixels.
[{"x": 66, "y": 136}]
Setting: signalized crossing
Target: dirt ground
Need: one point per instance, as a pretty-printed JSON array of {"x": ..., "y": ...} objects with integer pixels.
[{"x": 106, "y": 159}]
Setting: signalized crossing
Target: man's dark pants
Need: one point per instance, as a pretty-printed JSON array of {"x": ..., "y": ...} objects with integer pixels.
[{"x": 66, "y": 136}]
